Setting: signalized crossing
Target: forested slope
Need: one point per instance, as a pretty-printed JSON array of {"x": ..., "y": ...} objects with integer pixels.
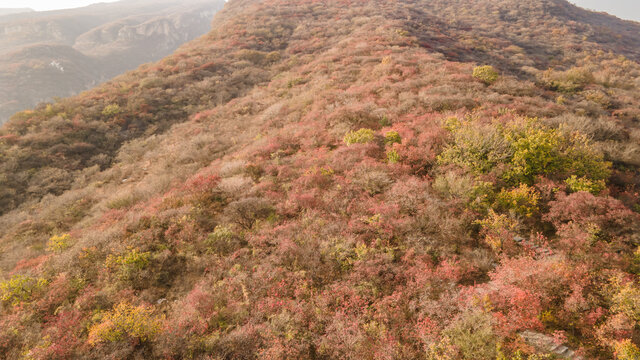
[{"x": 337, "y": 180}]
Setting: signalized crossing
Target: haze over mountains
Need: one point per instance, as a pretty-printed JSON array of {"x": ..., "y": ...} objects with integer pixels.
[
  {"x": 340, "y": 179},
  {"x": 60, "y": 53},
  {"x": 14, "y": 11}
]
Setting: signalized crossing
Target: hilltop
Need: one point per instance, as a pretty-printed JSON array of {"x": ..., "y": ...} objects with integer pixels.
[
  {"x": 61, "y": 53},
  {"x": 426, "y": 179}
]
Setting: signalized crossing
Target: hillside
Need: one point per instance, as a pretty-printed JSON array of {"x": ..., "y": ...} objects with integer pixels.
[
  {"x": 61, "y": 53},
  {"x": 417, "y": 179}
]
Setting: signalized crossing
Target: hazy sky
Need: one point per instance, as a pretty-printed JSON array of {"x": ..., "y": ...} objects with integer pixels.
[
  {"x": 626, "y": 9},
  {"x": 48, "y": 4}
]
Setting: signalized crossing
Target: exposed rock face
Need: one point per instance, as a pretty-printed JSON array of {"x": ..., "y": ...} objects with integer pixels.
[
  {"x": 89, "y": 45},
  {"x": 147, "y": 37},
  {"x": 545, "y": 343}
]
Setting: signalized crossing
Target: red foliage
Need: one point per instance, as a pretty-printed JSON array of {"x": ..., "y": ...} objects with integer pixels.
[
  {"x": 58, "y": 291},
  {"x": 583, "y": 208},
  {"x": 593, "y": 228},
  {"x": 201, "y": 183},
  {"x": 64, "y": 335},
  {"x": 34, "y": 264}
]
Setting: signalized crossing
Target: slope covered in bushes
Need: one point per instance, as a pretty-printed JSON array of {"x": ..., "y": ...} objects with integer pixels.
[{"x": 336, "y": 180}]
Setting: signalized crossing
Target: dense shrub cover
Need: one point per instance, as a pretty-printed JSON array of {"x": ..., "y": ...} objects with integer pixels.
[
  {"x": 523, "y": 149},
  {"x": 327, "y": 180}
]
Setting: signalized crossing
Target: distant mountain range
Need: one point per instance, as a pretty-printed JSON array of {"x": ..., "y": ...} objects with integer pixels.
[
  {"x": 14, "y": 11},
  {"x": 61, "y": 53}
]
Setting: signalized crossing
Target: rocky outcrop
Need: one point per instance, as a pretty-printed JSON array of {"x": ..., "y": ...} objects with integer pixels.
[
  {"x": 547, "y": 344},
  {"x": 149, "y": 35}
]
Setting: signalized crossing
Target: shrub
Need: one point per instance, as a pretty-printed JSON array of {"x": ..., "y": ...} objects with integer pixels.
[
  {"x": 536, "y": 151},
  {"x": 586, "y": 210},
  {"x": 232, "y": 186},
  {"x": 127, "y": 266},
  {"x": 473, "y": 335},
  {"x": 523, "y": 200},
  {"x": 478, "y": 195},
  {"x": 487, "y": 74},
  {"x": 392, "y": 137},
  {"x": 151, "y": 82},
  {"x": 222, "y": 240},
  {"x": 410, "y": 194},
  {"x": 361, "y": 136},
  {"x": 452, "y": 124},
  {"x": 576, "y": 184},
  {"x": 518, "y": 355},
  {"x": 626, "y": 350},
  {"x": 569, "y": 81},
  {"x": 583, "y": 159},
  {"x": 20, "y": 288},
  {"x": 476, "y": 148},
  {"x": 442, "y": 350},
  {"x": 57, "y": 243},
  {"x": 635, "y": 261},
  {"x": 393, "y": 157},
  {"x": 111, "y": 110},
  {"x": 627, "y": 301},
  {"x": 125, "y": 321},
  {"x": 372, "y": 181},
  {"x": 293, "y": 82},
  {"x": 61, "y": 337},
  {"x": 598, "y": 129},
  {"x": 253, "y": 56},
  {"x": 522, "y": 150},
  {"x": 125, "y": 201},
  {"x": 245, "y": 212},
  {"x": 598, "y": 97},
  {"x": 496, "y": 228}
]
